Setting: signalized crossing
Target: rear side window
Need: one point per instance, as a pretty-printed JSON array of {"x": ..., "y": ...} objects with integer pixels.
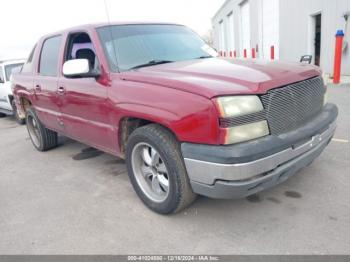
[
  {"x": 28, "y": 66},
  {"x": 2, "y": 79},
  {"x": 49, "y": 56}
]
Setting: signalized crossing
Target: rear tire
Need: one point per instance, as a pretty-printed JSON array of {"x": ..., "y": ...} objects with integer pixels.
[
  {"x": 173, "y": 191},
  {"x": 2, "y": 115},
  {"x": 20, "y": 121},
  {"x": 42, "y": 138}
]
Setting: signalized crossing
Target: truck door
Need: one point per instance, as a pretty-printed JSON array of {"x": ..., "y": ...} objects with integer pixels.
[
  {"x": 45, "y": 84},
  {"x": 2, "y": 88},
  {"x": 84, "y": 105}
]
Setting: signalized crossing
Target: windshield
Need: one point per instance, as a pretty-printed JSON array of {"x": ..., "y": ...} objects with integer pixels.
[
  {"x": 132, "y": 46},
  {"x": 10, "y": 69}
]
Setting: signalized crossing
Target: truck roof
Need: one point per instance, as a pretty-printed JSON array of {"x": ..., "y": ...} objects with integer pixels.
[
  {"x": 97, "y": 25},
  {"x": 11, "y": 61}
]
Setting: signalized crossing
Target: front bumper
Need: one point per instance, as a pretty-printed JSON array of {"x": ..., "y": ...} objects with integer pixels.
[{"x": 240, "y": 170}]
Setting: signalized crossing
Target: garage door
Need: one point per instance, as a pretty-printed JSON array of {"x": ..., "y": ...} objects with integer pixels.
[
  {"x": 230, "y": 32},
  {"x": 270, "y": 27},
  {"x": 245, "y": 27},
  {"x": 222, "y": 39}
]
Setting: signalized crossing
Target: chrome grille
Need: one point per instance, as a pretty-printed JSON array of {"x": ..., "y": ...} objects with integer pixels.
[
  {"x": 286, "y": 108},
  {"x": 290, "y": 107}
]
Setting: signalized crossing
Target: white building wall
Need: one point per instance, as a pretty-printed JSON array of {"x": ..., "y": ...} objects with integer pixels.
[
  {"x": 269, "y": 27},
  {"x": 234, "y": 7},
  {"x": 295, "y": 29},
  {"x": 297, "y": 35},
  {"x": 221, "y": 17},
  {"x": 244, "y": 29}
]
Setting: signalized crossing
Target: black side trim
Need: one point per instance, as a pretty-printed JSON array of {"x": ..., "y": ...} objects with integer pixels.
[{"x": 236, "y": 190}]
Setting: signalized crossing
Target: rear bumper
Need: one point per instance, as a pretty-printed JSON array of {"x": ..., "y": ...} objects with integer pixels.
[{"x": 240, "y": 170}]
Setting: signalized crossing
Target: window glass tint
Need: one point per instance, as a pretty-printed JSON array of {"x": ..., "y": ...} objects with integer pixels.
[
  {"x": 30, "y": 58},
  {"x": 128, "y": 46},
  {"x": 80, "y": 47},
  {"x": 12, "y": 69},
  {"x": 27, "y": 67},
  {"x": 49, "y": 56},
  {"x": 1, "y": 75}
]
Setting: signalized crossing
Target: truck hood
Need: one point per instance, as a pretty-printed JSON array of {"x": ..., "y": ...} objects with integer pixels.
[{"x": 216, "y": 77}]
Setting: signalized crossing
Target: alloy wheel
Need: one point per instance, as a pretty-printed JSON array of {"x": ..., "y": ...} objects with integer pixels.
[
  {"x": 33, "y": 131},
  {"x": 150, "y": 172}
]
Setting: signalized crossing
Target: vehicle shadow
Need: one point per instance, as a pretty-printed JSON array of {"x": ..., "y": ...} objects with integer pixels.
[{"x": 8, "y": 122}]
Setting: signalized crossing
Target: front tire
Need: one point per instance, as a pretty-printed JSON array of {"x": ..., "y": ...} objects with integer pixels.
[
  {"x": 157, "y": 171},
  {"x": 42, "y": 138}
]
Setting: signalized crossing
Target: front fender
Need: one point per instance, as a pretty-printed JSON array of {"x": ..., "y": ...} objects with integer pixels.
[{"x": 192, "y": 118}]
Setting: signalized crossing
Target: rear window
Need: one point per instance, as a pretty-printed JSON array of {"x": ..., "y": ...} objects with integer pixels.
[
  {"x": 12, "y": 69},
  {"x": 49, "y": 56}
]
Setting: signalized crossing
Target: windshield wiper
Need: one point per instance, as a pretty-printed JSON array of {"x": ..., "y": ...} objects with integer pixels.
[
  {"x": 204, "y": 56},
  {"x": 152, "y": 63}
]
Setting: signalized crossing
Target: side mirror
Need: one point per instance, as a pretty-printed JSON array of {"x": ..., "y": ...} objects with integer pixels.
[{"x": 79, "y": 68}]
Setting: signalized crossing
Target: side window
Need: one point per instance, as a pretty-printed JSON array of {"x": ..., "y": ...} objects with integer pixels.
[
  {"x": 2, "y": 79},
  {"x": 49, "y": 56},
  {"x": 79, "y": 46},
  {"x": 12, "y": 69}
]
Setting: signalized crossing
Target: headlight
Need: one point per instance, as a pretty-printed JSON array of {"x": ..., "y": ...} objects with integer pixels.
[
  {"x": 233, "y": 106},
  {"x": 236, "y": 106}
]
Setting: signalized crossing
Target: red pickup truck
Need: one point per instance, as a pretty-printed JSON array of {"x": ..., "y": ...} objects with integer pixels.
[{"x": 185, "y": 121}]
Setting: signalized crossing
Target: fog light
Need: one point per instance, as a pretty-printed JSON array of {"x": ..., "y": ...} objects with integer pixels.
[{"x": 247, "y": 132}]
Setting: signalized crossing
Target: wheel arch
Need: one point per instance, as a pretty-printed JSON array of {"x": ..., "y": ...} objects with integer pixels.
[
  {"x": 11, "y": 98},
  {"x": 128, "y": 124},
  {"x": 24, "y": 103}
]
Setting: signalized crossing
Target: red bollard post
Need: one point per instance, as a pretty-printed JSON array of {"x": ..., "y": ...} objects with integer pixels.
[
  {"x": 224, "y": 53},
  {"x": 245, "y": 53},
  {"x": 337, "y": 56},
  {"x": 231, "y": 54},
  {"x": 234, "y": 54},
  {"x": 272, "y": 52},
  {"x": 253, "y": 53}
]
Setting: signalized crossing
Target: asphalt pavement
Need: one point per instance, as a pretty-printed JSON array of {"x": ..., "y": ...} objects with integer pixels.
[{"x": 77, "y": 200}]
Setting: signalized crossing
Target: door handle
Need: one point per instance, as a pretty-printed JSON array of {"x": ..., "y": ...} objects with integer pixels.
[
  {"x": 37, "y": 88},
  {"x": 61, "y": 90}
]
